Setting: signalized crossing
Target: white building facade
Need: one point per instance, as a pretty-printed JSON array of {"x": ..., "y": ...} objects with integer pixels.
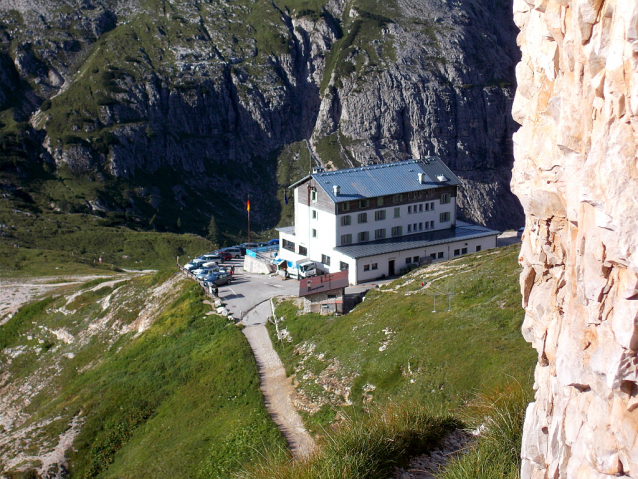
[{"x": 376, "y": 220}]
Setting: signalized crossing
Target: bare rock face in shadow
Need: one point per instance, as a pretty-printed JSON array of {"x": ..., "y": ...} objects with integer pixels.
[{"x": 575, "y": 174}]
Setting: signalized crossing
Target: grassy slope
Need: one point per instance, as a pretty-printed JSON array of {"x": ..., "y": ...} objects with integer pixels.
[
  {"x": 181, "y": 400},
  {"x": 441, "y": 359},
  {"x": 59, "y": 243}
]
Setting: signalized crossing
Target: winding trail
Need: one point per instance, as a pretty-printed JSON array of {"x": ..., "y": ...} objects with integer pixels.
[{"x": 275, "y": 386}]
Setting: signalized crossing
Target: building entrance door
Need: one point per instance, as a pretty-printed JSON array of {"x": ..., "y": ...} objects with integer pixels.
[{"x": 391, "y": 267}]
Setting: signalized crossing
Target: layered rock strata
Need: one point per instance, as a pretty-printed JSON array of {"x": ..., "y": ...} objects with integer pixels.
[
  {"x": 576, "y": 175},
  {"x": 131, "y": 92}
]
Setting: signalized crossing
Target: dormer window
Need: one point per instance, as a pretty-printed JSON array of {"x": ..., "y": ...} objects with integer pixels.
[{"x": 363, "y": 203}]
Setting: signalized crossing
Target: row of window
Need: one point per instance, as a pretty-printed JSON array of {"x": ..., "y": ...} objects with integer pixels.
[
  {"x": 413, "y": 228},
  {"x": 399, "y": 198},
  {"x": 371, "y": 266},
  {"x": 420, "y": 208},
  {"x": 380, "y": 215},
  {"x": 364, "y": 236}
]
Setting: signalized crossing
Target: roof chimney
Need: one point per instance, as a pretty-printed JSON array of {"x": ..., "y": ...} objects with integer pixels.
[
  {"x": 421, "y": 178},
  {"x": 336, "y": 189}
]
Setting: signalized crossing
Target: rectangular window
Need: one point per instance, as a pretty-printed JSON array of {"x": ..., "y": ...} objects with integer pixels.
[
  {"x": 408, "y": 260},
  {"x": 289, "y": 245},
  {"x": 457, "y": 252},
  {"x": 303, "y": 250},
  {"x": 364, "y": 203},
  {"x": 432, "y": 206},
  {"x": 379, "y": 234},
  {"x": 373, "y": 266},
  {"x": 380, "y": 201},
  {"x": 343, "y": 266},
  {"x": 379, "y": 215},
  {"x": 445, "y": 198},
  {"x": 415, "y": 259},
  {"x": 363, "y": 217},
  {"x": 397, "y": 231},
  {"x": 463, "y": 250},
  {"x": 314, "y": 233},
  {"x": 420, "y": 226},
  {"x": 427, "y": 225},
  {"x": 366, "y": 267},
  {"x": 444, "y": 217},
  {"x": 345, "y": 220},
  {"x": 433, "y": 256},
  {"x": 397, "y": 212},
  {"x": 431, "y": 224},
  {"x": 325, "y": 259},
  {"x": 427, "y": 207},
  {"x": 345, "y": 206},
  {"x": 397, "y": 198},
  {"x": 409, "y": 228},
  {"x": 364, "y": 236},
  {"x": 410, "y": 209},
  {"x": 440, "y": 255},
  {"x": 478, "y": 248},
  {"x": 313, "y": 195},
  {"x": 346, "y": 239},
  {"x": 421, "y": 208},
  {"x": 315, "y": 214},
  {"x": 414, "y": 227}
]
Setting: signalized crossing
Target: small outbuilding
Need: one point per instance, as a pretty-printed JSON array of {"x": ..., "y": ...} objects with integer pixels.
[{"x": 324, "y": 294}]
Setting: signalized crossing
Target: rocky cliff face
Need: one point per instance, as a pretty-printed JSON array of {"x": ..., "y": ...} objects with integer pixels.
[
  {"x": 576, "y": 176},
  {"x": 183, "y": 108}
]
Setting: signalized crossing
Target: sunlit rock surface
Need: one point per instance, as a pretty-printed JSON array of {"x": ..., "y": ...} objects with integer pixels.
[{"x": 575, "y": 173}]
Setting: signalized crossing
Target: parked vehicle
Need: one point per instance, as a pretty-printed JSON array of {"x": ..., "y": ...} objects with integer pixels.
[
  {"x": 273, "y": 242},
  {"x": 199, "y": 271},
  {"x": 218, "y": 279},
  {"x": 224, "y": 255},
  {"x": 194, "y": 264},
  {"x": 303, "y": 268},
  {"x": 249, "y": 245},
  {"x": 519, "y": 233},
  {"x": 234, "y": 250},
  {"x": 210, "y": 257},
  {"x": 211, "y": 264}
]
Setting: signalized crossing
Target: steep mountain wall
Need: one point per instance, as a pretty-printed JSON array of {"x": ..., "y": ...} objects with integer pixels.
[
  {"x": 163, "y": 110},
  {"x": 577, "y": 178}
]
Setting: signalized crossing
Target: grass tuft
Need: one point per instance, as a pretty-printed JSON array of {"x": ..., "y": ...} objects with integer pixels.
[
  {"x": 363, "y": 445},
  {"x": 499, "y": 413}
]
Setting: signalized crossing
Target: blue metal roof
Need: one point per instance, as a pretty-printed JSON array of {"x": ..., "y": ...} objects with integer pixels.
[
  {"x": 463, "y": 231},
  {"x": 386, "y": 179}
]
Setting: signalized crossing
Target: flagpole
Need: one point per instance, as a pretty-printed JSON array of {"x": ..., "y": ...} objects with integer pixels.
[{"x": 248, "y": 208}]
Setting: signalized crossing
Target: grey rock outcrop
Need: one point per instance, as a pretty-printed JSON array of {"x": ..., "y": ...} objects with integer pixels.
[
  {"x": 575, "y": 173},
  {"x": 210, "y": 94}
]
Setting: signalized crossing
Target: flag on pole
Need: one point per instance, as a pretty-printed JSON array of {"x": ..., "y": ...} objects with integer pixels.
[
  {"x": 248, "y": 205},
  {"x": 285, "y": 197}
]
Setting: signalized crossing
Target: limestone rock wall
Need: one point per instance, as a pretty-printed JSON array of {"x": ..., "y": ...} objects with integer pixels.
[{"x": 576, "y": 174}]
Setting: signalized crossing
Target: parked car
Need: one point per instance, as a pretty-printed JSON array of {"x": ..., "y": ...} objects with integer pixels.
[
  {"x": 194, "y": 264},
  {"x": 200, "y": 271},
  {"x": 519, "y": 233},
  {"x": 212, "y": 264},
  {"x": 249, "y": 245},
  {"x": 225, "y": 256},
  {"x": 217, "y": 279},
  {"x": 234, "y": 250},
  {"x": 210, "y": 257},
  {"x": 273, "y": 242},
  {"x": 262, "y": 245}
]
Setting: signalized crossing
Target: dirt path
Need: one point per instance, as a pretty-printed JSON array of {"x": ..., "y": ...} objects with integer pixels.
[{"x": 276, "y": 387}]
